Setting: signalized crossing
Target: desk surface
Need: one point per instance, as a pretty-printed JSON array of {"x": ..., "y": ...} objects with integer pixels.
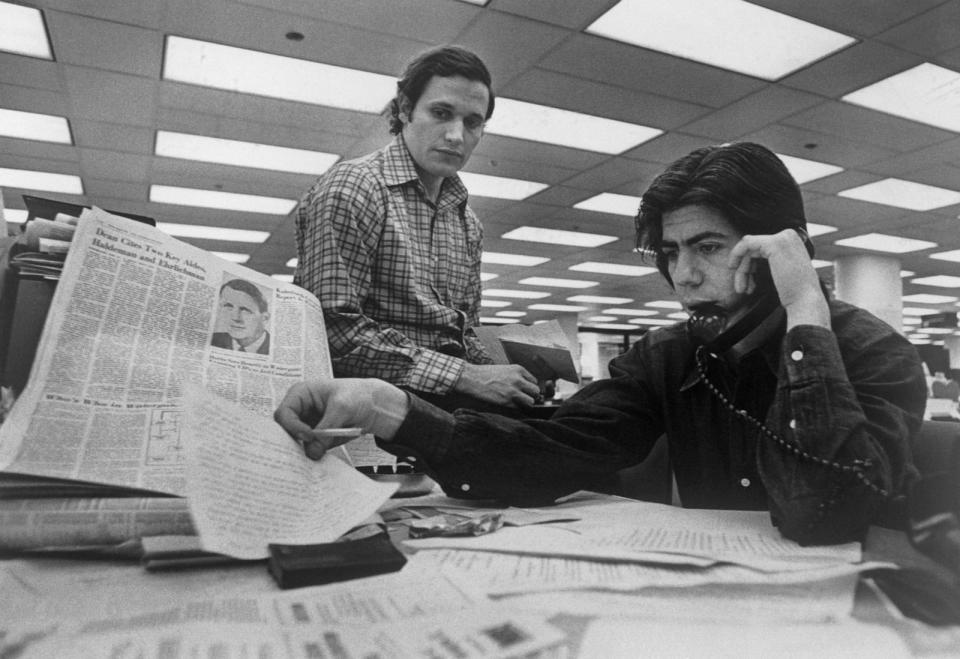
[{"x": 48, "y": 591}]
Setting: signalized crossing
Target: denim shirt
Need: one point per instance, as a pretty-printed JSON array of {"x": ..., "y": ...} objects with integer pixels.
[{"x": 853, "y": 396}]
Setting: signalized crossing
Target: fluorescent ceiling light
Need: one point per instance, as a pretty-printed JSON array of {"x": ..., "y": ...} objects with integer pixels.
[
  {"x": 660, "y": 322},
  {"x": 511, "y": 314},
  {"x": 608, "y": 202},
  {"x": 613, "y": 269},
  {"x": 804, "y": 171},
  {"x": 629, "y": 312},
  {"x": 881, "y": 242},
  {"x": 599, "y": 299},
  {"x": 168, "y": 194},
  {"x": 542, "y": 123},
  {"x": 292, "y": 263},
  {"x": 730, "y": 34},
  {"x": 917, "y": 311},
  {"x": 488, "y": 320},
  {"x": 943, "y": 281},
  {"x": 559, "y": 283},
  {"x": 15, "y": 216},
  {"x": 487, "y": 276},
  {"x": 926, "y": 93},
  {"x": 283, "y": 277},
  {"x": 678, "y": 315},
  {"x": 903, "y": 194},
  {"x": 499, "y": 187},
  {"x": 243, "y": 154},
  {"x": 497, "y": 304},
  {"x": 820, "y": 263},
  {"x": 952, "y": 255},
  {"x": 927, "y": 298},
  {"x": 911, "y": 320},
  {"x": 814, "y": 229},
  {"x": 46, "y": 181},
  {"x": 664, "y": 304},
  {"x": 254, "y": 72},
  {"x": 613, "y": 326},
  {"x": 22, "y": 31},
  {"x": 233, "y": 257},
  {"x": 213, "y": 233},
  {"x": 505, "y": 292},
  {"x": 33, "y": 126},
  {"x": 937, "y": 330},
  {"x": 601, "y": 319},
  {"x": 558, "y": 237},
  {"x": 501, "y": 258},
  {"x": 556, "y": 307}
]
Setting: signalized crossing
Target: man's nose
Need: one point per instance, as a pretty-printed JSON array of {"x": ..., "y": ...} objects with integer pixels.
[
  {"x": 455, "y": 131},
  {"x": 686, "y": 271}
]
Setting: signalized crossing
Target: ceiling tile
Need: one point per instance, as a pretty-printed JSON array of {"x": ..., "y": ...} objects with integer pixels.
[
  {"x": 587, "y": 96},
  {"x": 927, "y": 34},
  {"x": 431, "y": 21},
  {"x": 855, "y": 123},
  {"x": 29, "y": 72},
  {"x": 112, "y": 97},
  {"x": 857, "y": 18},
  {"x": 80, "y": 40},
  {"x": 116, "y": 137},
  {"x": 852, "y": 68},
  {"x": 595, "y": 58},
  {"x": 574, "y": 14},
  {"x": 755, "y": 111}
]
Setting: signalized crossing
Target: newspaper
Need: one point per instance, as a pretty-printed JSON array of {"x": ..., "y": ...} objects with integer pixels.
[{"x": 133, "y": 320}]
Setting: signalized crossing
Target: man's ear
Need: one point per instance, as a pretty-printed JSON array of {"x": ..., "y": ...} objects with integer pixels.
[{"x": 405, "y": 109}]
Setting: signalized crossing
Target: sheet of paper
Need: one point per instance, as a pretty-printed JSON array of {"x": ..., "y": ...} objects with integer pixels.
[
  {"x": 494, "y": 573},
  {"x": 249, "y": 484},
  {"x": 484, "y": 633},
  {"x": 657, "y": 533},
  {"x": 613, "y": 639}
]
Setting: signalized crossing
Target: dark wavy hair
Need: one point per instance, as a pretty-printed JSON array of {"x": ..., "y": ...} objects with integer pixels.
[
  {"x": 444, "y": 61},
  {"x": 250, "y": 289},
  {"x": 744, "y": 181}
]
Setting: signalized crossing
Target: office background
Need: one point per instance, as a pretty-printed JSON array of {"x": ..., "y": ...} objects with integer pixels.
[{"x": 869, "y": 121}]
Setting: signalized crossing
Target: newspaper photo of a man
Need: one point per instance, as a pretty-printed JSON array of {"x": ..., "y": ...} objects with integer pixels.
[{"x": 243, "y": 315}]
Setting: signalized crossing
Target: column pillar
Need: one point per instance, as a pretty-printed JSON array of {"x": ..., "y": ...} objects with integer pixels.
[
  {"x": 873, "y": 283},
  {"x": 952, "y": 344}
]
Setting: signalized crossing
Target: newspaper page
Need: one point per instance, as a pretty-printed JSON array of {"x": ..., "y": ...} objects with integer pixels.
[
  {"x": 36, "y": 524},
  {"x": 249, "y": 484},
  {"x": 136, "y": 315},
  {"x": 462, "y": 635}
]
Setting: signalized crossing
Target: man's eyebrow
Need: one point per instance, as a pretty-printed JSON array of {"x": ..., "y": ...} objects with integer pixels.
[{"x": 695, "y": 238}]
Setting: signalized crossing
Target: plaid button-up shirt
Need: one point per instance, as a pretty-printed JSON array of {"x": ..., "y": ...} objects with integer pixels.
[{"x": 398, "y": 276}]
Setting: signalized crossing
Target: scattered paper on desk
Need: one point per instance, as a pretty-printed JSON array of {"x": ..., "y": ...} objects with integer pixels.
[
  {"x": 613, "y": 639},
  {"x": 249, "y": 484}
]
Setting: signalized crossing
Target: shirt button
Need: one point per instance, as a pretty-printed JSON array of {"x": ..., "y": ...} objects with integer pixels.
[
  {"x": 793, "y": 425},
  {"x": 796, "y": 355},
  {"x": 745, "y": 482},
  {"x": 465, "y": 487}
]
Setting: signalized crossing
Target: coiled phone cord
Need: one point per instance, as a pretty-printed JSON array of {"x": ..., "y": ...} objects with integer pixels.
[{"x": 856, "y": 468}]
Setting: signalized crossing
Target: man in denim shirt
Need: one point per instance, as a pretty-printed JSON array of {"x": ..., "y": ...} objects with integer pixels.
[{"x": 773, "y": 397}]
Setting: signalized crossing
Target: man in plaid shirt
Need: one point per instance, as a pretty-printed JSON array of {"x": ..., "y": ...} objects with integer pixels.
[{"x": 390, "y": 247}]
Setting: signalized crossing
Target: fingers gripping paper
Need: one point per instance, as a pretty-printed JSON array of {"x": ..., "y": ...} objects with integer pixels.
[{"x": 249, "y": 484}]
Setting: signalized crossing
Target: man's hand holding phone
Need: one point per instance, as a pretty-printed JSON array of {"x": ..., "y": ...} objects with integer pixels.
[{"x": 792, "y": 272}]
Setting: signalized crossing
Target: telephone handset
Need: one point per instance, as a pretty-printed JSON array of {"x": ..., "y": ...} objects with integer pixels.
[{"x": 707, "y": 324}]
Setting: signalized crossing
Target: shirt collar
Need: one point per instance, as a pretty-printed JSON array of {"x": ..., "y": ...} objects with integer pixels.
[
  {"x": 253, "y": 347},
  {"x": 400, "y": 169}
]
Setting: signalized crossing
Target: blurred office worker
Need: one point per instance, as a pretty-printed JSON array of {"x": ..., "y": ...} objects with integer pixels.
[
  {"x": 773, "y": 396},
  {"x": 389, "y": 245},
  {"x": 243, "y": 317}
]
